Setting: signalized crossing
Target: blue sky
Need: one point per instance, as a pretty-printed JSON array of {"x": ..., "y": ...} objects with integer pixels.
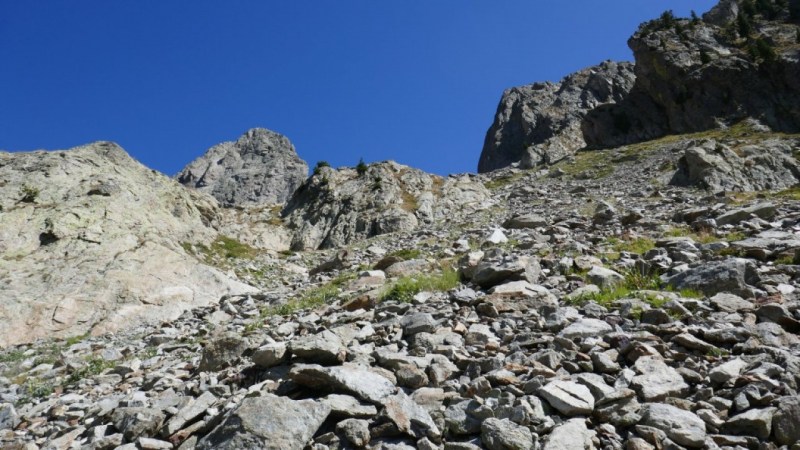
[{"x": 414, "y": 81}]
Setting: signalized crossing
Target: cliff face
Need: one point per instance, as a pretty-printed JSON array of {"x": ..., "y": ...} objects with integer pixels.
[
  {"x": 741, "y": 61},
  {"x": 541, "y": 123},
  {"x": 90, "y": 240},
  {"x": 694, "y": 75},
  {"x": 261, "y": 167}
]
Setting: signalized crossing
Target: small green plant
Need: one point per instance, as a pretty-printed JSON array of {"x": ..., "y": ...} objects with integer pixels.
[
  {"x": 704, "y": 57},
  {"x": 377, "y": 184},
  {"x": 12, "y": 356},
  {"x": 319, "y": 166},
  {"x": 639, "y": 245},
  {"x": 94, "y": 366},
  {"x": 361, "y": 167},
  {"x": 37, "y": 389},
  {"x": 405, "y": 288},
  {"x": 695, "y": 19},
  {"x": 229, "y": 247},
  {"x": 28, "y": 193},
  {"x": 743, "y": 26},
  {"x": 763, "y": 50},
  {"x": 311, "y": 298}
]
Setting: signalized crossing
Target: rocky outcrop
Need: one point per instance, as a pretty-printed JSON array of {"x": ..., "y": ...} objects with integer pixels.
[
  {"x": 90, "y": 240},
  {"x": 770, "y": 164},
  {"x": 541, "y": 123},
  {"x": 335, "y": 207},
  {"x": 694, "y": 75},
  {"x": 262, "y": 167}
]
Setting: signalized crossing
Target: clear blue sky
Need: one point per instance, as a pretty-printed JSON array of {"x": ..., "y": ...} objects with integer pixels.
[{"x": 415, "y": 81}]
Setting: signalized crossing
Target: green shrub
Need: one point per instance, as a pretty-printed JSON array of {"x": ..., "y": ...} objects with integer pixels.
[
  {"x": 361, "y": 167},
  {"x": 319, "y": 166},
  {"x": 667, "y": 19},
  {"x": 743, "y": 25}
]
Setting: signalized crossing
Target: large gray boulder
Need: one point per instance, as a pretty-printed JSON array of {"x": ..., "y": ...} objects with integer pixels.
[
  {"x": 541, "y": 123},
  {"x": 268, "y": 422},
  {"x": 733, "y": 275},
  {"x": 92, "y": 241},
  {"x": 261, "y": 167}
]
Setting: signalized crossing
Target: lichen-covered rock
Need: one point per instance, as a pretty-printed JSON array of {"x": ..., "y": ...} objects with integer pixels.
[
  {"x": 96, "y": 243},
  {"x": 261, "y": 167}
]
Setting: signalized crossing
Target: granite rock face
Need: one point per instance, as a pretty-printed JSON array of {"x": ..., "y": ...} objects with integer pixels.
[
  {"x": 95, "y": 239},
  {"x": 261, "y": 167},
  {"x": 335, "y": 207},
  {"x": 541, "y": 123}
]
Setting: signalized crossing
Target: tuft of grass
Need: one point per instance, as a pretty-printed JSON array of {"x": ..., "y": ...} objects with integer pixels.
[
  {"x": 504, "y": 181},
  {"x": 12, "y": 356},
  {"x": 405, "y": 288},
  {"x": 231, "y": 248},
  {"x": 406, "y": 254},
  {"x": 311, "y": 298},
  {"x": 591, "y": 163},
  {"x": 634, "y": 282},
  {"x": 94, "y": 366},
  {"x": 639, "y": 245},
  {"x": 410, "y": 203}
]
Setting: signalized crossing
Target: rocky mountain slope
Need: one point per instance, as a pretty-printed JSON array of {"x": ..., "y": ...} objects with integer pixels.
[
  {"x": 261, "y": 167},
  {"x": 91, "y": 240},
  {"x": 588, "y": 305},
  {"x": 639, "y": 297}
]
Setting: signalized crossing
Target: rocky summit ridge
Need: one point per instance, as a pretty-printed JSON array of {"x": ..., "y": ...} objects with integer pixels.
[
  {"x": 261, "y": 167},
  {"x": 612, "y": 284}
]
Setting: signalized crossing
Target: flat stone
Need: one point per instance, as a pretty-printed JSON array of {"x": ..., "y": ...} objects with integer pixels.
[
  {"x": 727, "y": 371},
  {"x": 570, "y": 435},
  {"x": 656, "y": 380},
  {"x": 410, "y": 418},
  {"x": 418, "y": 323},
  {"x": 270, "y": 355},
  {"x": 730, "y": 303},
  {"x": 569, "y": 398},
  {"x": 268, "y": 422},
  {"x": 753, "y": 422},
  {"x": 356, "y": 380},
  {"x": 682, "y": 426},
  {"x": 195, "y": 408},
  {"x": 322, "y": 348},
  {"x": 604, "y": 278},
  {"x": 584, "y": 328},
  {"x": 347, "y": 406},
  {"x": 504, "y": 434}
]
